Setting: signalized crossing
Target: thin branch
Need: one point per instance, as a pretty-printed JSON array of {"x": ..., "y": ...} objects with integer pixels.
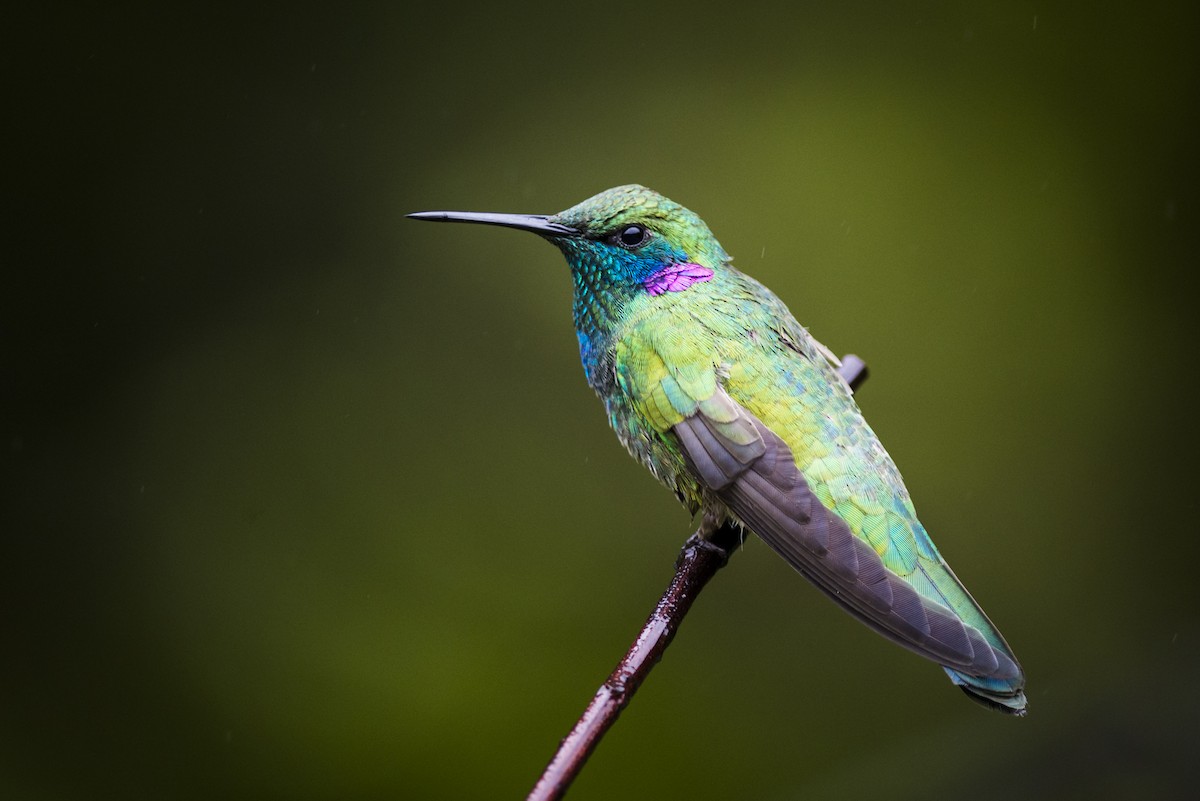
[
  {"x": 854, "y": 370},
  {"x": 698, "y": 562}
]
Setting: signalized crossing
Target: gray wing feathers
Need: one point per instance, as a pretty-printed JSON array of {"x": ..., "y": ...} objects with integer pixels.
[
  {"x": 715, "y": 457},
  {"x": 762, "y": 486}
]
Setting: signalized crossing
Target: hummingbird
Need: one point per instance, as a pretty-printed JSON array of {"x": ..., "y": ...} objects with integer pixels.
[{"x": 711, "y": 383}]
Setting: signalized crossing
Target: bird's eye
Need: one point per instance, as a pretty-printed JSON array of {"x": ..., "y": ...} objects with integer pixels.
[{"x": 630, "y": 236}]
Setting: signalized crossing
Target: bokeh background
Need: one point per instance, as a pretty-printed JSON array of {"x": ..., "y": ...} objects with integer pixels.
[{"x": 302, "y": 500}]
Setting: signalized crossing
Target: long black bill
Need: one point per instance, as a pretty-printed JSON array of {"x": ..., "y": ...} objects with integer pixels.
[{"x": 537, "y": 223}]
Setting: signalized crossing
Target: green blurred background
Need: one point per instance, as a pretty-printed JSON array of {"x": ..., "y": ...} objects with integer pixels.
[{"x": 303, "y": 500}]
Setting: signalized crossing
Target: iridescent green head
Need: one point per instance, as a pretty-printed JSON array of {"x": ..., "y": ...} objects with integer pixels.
[
  {"x": 633, "y": 224},
  {"x": 618, "y": 241},
  {"x": 623, "y": 244}
]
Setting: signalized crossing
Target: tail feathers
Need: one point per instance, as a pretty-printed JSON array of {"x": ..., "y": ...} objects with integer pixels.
[{"x": 1002, "y": 695}]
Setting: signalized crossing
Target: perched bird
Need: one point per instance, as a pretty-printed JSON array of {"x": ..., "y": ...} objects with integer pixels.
[{"x": 709, "y": 381}]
